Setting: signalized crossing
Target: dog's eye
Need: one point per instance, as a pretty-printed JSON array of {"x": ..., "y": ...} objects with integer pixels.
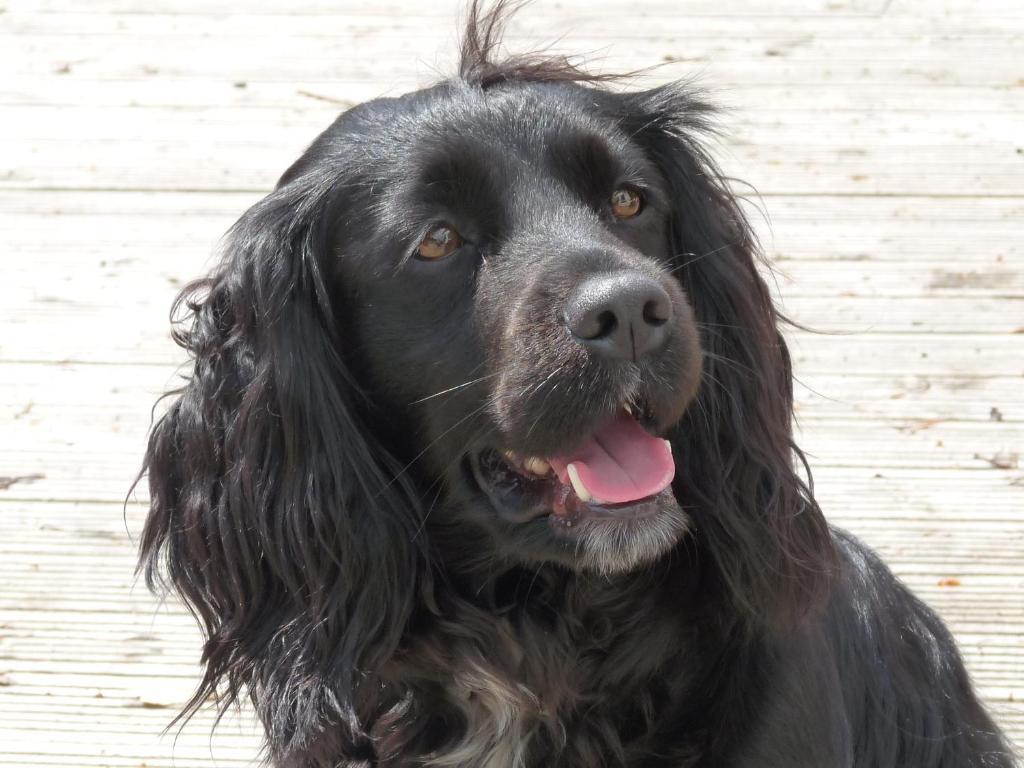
[
  {"x": 440, "y": 241},
  {"x": 626, "y": 203}
]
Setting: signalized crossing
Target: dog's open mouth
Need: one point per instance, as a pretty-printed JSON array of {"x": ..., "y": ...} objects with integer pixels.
[{"x": 617, "y": 472}]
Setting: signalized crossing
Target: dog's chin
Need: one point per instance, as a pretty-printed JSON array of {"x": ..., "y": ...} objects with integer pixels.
[{"x": 542, "y": 514}]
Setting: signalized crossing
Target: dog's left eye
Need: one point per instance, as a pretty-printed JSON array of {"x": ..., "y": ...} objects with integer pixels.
[
  {"x": 626, "y": 203},
  {"x": 440, "y": 241}
]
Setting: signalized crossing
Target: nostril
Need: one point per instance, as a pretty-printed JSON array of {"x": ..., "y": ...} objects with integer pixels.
[
  {"x": 607, "y": 323},
  {"x": 656, "y": 312},
  {"x": 591, "y": 323}
]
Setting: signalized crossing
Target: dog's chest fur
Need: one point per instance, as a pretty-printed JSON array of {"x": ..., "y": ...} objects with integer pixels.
[{"x": 518, "y": 692}]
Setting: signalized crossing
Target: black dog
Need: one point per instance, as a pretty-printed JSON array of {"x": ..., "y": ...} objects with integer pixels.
[{"x": 486, "y": 461}]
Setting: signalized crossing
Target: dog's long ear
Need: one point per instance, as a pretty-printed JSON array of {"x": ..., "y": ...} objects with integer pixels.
[
  {"x": 756, "y": 518},
  {"x": 274, "y": 513}
]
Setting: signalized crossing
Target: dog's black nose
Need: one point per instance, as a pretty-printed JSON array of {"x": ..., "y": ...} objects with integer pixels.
[{"x": 622, "y": 315}]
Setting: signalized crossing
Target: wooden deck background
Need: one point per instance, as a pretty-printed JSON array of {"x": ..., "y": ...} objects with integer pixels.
[{"x": 886, "y": 140}]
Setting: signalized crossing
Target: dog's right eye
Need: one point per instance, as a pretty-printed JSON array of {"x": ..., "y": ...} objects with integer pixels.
[
  {"x": 626, "y": 203},
  {"x": 440, "y": 241}
]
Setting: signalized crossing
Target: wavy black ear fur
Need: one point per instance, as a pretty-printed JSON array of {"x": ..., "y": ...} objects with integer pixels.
[
  {"x": 269, "y": 499},
  {"x": 755, "y": 516}
]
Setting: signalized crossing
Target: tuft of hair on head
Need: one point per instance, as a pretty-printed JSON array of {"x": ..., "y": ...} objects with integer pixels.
[{"x": 482, "y": 64}]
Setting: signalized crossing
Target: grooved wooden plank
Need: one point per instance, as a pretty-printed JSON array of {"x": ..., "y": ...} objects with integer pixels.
[
  {"x": 160, "y": 148},
  {"x": 443, "y": 12},
  {"x": 780, "y": 45},
  {"x": 32, "y": 393},
  {"x": 91, "y": 340},
  {"x": 338, "y": 94},
  {"x": 542, "y": 20},
  {"x": 979, "y": 62}
]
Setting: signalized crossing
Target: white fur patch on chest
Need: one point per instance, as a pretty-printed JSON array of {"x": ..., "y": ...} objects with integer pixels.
[{"x": 501, "y": 716}]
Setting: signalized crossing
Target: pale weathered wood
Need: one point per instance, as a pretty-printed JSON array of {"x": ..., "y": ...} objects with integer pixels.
[
  {"x": 181, "y": 92},
  {"x": 894, "y": 152},
  {"x": 398, "y": 41},
  {"x": 442, "y": 12},
  {"x": 885, "y": 140},
  {"x": 129, "y": 148}
]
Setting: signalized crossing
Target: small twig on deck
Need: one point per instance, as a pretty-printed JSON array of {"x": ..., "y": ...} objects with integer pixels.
[{"x": 328, "y": 99}]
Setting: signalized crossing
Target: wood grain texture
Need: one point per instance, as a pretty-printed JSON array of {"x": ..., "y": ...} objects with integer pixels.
[{"x": 883, "y": 145}]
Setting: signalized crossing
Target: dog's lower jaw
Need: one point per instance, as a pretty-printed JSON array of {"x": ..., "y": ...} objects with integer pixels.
[
  {"x": 595, "y": 539},
  {"x": 611, "y": 546}
]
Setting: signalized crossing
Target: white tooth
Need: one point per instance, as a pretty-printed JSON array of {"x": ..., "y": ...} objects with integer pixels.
[
  {"x": 577, "y": 484},
  {"x": 628, "y": 408},
  {"x": 669, "y": 446},
  {"x": 537, "y": 465}
]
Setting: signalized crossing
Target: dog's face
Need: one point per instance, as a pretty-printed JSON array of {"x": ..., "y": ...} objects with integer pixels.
[{"x": 504, "y": 268}]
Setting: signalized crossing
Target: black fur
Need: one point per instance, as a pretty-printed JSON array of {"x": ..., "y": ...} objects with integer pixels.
[{"x": 313, "y": 491}]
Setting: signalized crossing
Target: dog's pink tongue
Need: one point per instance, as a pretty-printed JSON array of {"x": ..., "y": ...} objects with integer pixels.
[{"x": 620, "y": 463}]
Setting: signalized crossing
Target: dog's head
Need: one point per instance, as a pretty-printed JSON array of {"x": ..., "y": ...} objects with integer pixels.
[
  {"x": 511, "y": 319},
  {"x": 503, "y": 270}
]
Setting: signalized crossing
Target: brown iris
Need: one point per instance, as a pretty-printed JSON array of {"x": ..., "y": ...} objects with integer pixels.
[
  {"x": 440, "y": 241},
  {"x": 626, "y": 203}
]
